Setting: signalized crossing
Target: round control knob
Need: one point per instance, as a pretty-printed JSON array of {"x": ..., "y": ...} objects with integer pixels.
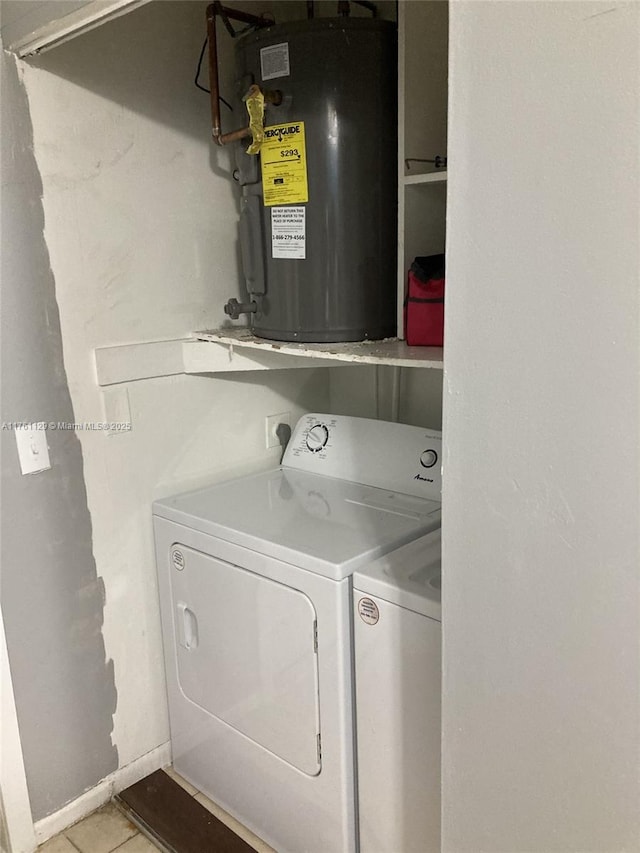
[
  {"x": 428, "y": 458},
  {"x": 317, "y": 437}
]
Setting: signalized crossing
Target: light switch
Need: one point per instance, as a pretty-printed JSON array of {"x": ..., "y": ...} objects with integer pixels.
[{"x": 32, "y": 448}]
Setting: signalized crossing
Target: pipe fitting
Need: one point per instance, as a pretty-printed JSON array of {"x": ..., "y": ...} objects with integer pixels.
[{"x": 234, "y": 308}]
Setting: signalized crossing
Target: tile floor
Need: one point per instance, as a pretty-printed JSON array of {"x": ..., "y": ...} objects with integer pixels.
[
  {"x": 108, "y": 830},
  {"x": 101, "y": 832}
]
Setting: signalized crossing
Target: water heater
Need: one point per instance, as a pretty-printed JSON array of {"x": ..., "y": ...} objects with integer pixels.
[{"x": 319, "y": 200}]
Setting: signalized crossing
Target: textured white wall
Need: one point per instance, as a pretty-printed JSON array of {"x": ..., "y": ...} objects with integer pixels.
[
  {"x": 540, "y": 538},
  {"x": 367, "y": 392},
  {"x": 51, "y": 595},
  {"x": 141, "y": 223}
]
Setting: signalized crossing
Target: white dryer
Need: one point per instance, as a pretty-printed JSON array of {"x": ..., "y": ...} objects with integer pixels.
[
  {"x": 397, "y": 640},
  {"x": 255, "y": 592}
]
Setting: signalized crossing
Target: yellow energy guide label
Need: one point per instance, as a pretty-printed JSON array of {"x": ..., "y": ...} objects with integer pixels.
[{"x": 283, "y": 157}]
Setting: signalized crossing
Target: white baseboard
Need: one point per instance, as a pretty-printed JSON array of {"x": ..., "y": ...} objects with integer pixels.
[
  {"x": 141, "y": 767},
  {"x": 102, "y": 792},
  {"x": 74, "y": 811}
]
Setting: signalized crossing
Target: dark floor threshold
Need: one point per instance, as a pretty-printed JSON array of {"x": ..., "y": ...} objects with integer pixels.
[{"x": 174, "y": 820}]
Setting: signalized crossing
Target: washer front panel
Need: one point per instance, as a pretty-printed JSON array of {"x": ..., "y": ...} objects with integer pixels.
[{"x": 398, "y": 684}]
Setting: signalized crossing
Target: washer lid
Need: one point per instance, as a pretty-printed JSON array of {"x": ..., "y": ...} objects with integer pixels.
[
  {"x": 409, "y": 576},
  {"x": 322, "y": 524}
]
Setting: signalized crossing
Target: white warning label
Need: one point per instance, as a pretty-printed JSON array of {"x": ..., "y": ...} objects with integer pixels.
[
  {"x": 274, "y": 61},
  {"x": 368, "y": 611},
  {"x": 288, "y": 232}
]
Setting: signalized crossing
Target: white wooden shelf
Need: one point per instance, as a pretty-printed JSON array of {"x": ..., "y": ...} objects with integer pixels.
[
  {"x": 391, "y": 351},
  {"x": 237, "y": 350},
  {"x": 425, "y": 178}
]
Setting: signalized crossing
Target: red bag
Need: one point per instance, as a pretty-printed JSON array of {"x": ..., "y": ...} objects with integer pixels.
[{"x": 424, "y": 302}]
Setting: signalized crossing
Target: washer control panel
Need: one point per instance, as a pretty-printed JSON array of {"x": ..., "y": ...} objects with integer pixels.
[{"x": 387, "y": 455}]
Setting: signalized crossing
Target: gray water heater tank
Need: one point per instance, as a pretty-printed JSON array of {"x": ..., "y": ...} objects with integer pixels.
[{"x": 319, "y": 260}]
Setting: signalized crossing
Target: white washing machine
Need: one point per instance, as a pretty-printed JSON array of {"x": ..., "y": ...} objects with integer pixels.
[
  {"x": 255, "y": 593},
  {"x": 397, "y": 641}
]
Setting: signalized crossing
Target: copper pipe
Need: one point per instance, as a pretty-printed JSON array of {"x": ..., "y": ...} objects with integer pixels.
[
  {"x": 213, "y": 73},
  {"x": 213, "y": 10},
  {"x": 271, "y": 97},
  {"x": 233, "y": 136}
]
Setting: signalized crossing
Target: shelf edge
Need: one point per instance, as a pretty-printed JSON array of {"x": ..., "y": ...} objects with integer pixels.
[
  {"x": 232, "y": 351},
  {"x": 425, "y": 178}
]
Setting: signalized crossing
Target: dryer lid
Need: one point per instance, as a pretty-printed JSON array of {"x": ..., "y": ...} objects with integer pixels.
[{"x": 322, "y": 524}]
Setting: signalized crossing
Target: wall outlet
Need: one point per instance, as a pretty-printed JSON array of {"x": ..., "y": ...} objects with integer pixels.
[{"x": 271, "y": 425}]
